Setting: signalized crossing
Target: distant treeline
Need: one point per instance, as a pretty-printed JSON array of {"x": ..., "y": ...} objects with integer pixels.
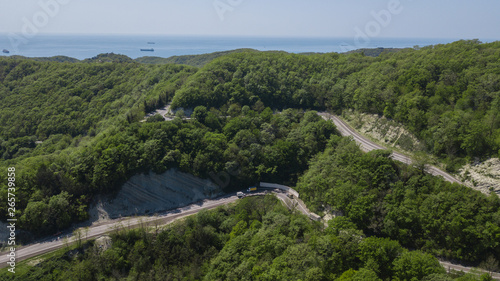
[{"x": 191, "y": 60}]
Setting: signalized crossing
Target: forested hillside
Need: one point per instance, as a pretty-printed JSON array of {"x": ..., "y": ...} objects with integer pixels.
[
  {"x": 53, "y": 102},
  {"x": 74, "y": 131},
  {"x": 256, "y": 239},
  {"x": 56, "y": 189},
  {"x": 389, "y": 199},
  {"x": 447, "y": 95}
]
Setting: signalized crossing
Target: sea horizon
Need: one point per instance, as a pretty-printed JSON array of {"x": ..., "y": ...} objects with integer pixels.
[{"x": 90, "y": 45}]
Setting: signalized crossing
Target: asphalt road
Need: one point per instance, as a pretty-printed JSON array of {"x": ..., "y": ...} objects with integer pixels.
[
  {"x": 99, "y": 229},
  {"x": 448, "y": 266},
  {"x": 292, "y": 203},
  {"x": 368, "y": 145}
]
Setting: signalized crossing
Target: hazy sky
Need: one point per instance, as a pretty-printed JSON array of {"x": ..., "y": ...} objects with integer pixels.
[{"x": 460, "y": 19}]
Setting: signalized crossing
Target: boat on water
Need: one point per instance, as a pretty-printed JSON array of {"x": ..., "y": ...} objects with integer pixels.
[
  {"x": 5, "y": 51},
  {"x": 148, "y": 50},
  {"x": 151, "y": 43}
]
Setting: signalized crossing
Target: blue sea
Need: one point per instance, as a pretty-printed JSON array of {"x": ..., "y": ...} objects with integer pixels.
[{"x": 87, "y": 46}]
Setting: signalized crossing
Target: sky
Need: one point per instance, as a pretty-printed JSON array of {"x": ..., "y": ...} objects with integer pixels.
[{"x": 458, "y": 19}]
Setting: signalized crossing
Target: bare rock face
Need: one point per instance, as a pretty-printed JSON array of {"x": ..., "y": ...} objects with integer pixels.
[
  {"x": 151, "y": 193},
  {"x": 388, "y": 132},
  {"x": 482, "y": 176}
]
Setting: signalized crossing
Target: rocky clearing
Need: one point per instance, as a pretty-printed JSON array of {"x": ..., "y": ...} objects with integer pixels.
[
  {"x": 152, "y": 193},
  {"x": 387, "y": 132},
  {"x": 482, "y": 176}
]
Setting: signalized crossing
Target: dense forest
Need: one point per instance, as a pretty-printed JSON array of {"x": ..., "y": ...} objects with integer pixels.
[
  {"x": 56, "y": 189},
  {"x": 447, "y": 95},
  {"x": 55, "y": 102},
  {"x": 255, "y": 239},
  {"x": 75, "y": 130},
  {"x": 387, "y": 199}
]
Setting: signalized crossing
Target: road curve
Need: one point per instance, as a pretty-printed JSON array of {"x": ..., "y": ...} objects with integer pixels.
[
  {"x": 368, "y": 145},
  {"x": 97, "y": 230}
]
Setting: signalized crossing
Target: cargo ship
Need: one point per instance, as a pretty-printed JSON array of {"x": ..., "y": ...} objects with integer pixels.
[{"x": 148, "y": 50}]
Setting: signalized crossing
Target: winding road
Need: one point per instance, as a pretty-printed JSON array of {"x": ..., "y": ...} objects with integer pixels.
[
  {"x": 368, "y": 145},
  {"x": 99, "y": 229}
]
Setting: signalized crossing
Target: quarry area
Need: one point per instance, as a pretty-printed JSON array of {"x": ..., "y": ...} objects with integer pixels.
[{"x": 152, "y": 193}]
